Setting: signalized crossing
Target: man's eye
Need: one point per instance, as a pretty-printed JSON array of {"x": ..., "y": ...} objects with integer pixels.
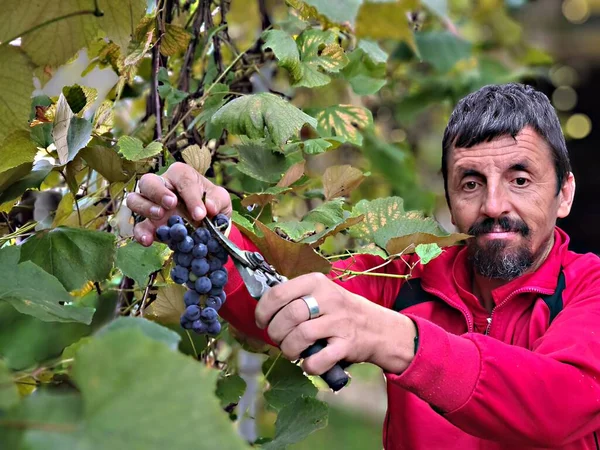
[
  {"x": 521, "y": 181},
  {"x": 470, "y": 185}
]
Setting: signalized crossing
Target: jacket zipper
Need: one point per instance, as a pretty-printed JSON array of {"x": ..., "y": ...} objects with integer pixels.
[{"x": 464, "y": 311}]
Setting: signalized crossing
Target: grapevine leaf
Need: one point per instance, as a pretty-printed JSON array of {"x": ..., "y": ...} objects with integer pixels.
[
  {"x": 107, "y": 372},
  {"x": 427, "y": 252},
  {"x": 16, "y": 85},
  {"x": 317, "y": 239},
  {"x": 32, "y": 179},
  {"x": 293, "y": 174},
  {"x": 26, "y": 341},
  {"x": 70, "y": 133},
  {"x": 442, "y": 49},
  {"x": 386, "y": 20},
  {"x": 73, "y": 255},
  {"x": 168, "y": 306},
  {"x": 259, "y": 115},
  {"x": 264, "y": 198},
  {"x": 197, "y": 157},
  {"x": 439, "y": 7},
  {"x": 375, "y": 53},
  {"x": 364, "y": 72},
  {"x": 285, "y": 49},
  {"x": 45, "y": 298},
  {"x": 241, "y": 221},
  {"x": 287, "y": 382},
  {"x": 215, "y": 100},
  {"x": 9, "y": 396},
  {"x": 390, "y": 227},
  {"x": 41, "y": 134},
  {"x": 133, "y": 149},
  {"x": 230, "y": 389},
  {"x": 344, "y": 121},
  {"x": 338, "y": 11},
  {"x": 138, "y": 262},
  {"x": 297, "y": 420},
  {"x": 289, "y": 258},
  {"x": 17, "y": 149},
  {"x": 175, "y": 40},
  {"x": 79, "y": 98},
  {"x": 119, "y": 19},
  {"x": 262, "y": 163},
  {"x": 107, "y": 162},
  {"x": 294, "y": 230},
  {"x": 150, "y": 329},
  {"x": 339, "y": 181}
]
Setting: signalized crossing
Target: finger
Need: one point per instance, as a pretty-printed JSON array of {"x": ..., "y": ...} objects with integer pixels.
[
  {"x": 304, "y": 335},
  {"x": 144, "y": 207},
  {"x": 144, "y": 231},
  {"x": 153, "y": 188},
  {"x": 282, "y": 294},
  {"x": 218, "y": 201},
  {"x": 324, "y": 360},
  {"x": 288, "y": 318},
  {"x": 190, "y": 186}
]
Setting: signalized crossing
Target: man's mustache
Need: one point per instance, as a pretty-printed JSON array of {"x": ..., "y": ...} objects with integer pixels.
[{"x": 502, "y": 224}]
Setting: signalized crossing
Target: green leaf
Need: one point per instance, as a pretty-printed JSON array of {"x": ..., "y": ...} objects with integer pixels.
[
  {"x": 386, "y": 20},
  {"x": 79, "y": 98},
  {"x": 313, "y": 53},
  {"x": 41, "y": 134},
  {"x": 175, "y": 40},
  {"x": 70, "y": 133},
  {"x": 26, "y": 341},
  {"x": 55, "y": 43},
  {"x": 16, "y": 85},
  {"x": 107, "y": 162},
  {"x": 338, "y": 11},
  {"x": 373, "y": 51},
  {"x": 390, "y": 227},
  {"x": 32, "y": 179},
  {"x": 344, "y": 121},
  {"x": 31, "y": 290},
  {"x": 230, "y": 389},
  {"x": 439, "y": 7},
  {"x": 149, "y": 328},
  {"x": 287, "y": 382},
  {"x": 261, "y": 115},
  {"x": 214, "y": 101},
  {"x": 108, "y": 372},
  {"x": 428, "y": 252},
  {"x": 9, "y": 396},
  {"x": 262, "y": 163},
  {"x": 133, "y": 149},
  {"x": 73, "y": 255},
  {"x": 17, "y": 149},
  {"x": 364, "y": 75},
  {"x": 316, "y": 146},
  {"x": 138, "y": 262},
  {"x": 442, "y": 49},
  {"x": 297, "y": 420}
]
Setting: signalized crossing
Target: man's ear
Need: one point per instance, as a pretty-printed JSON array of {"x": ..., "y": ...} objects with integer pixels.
[{"x": 566, "y": 195}]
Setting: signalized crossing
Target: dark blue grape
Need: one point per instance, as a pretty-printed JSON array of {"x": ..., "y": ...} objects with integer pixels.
[
  {"x": 218, "y": 278},
  {"x": 213, "y": 328},
  {"x": 213, "y": 245},
  {"x": 214, "y": 303},
  {"x": 190, "y": 284},
  {"x": 222, "y": 255},
  {"x": 163, "y": 233},
  {"x": 191, "y": 298},
  {"x": 203, "y": 285},
  {"x": 215, "y": 291},
  {"x": 208, "y": 315},
  {"x": 172, "y": 245},
  {"x": 186, "y": 245},
  {"x": 199, "y": 327},
  {"x": 201, "y": 235},
  {"x": 223, "y": 297},
  {"x": 200, "y": 266},
  {"x": 192, "y": 312},
  {"x": 174, "y": 219},
  {"x": 221, "y": 220},
  {"x": 185, "y": 323},
  {"x": 183, "y": 259},
  {"x": 179, "y": 274},
  {"x": 178, "y": 232},
  {"x": 200, "y": 251},
  {"x": 214, "y": 264}
]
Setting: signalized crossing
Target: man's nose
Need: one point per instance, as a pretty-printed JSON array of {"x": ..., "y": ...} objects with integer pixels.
[{"x": 495, "y": 202}]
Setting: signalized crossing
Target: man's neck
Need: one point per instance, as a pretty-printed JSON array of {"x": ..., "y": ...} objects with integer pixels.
[{"x": 483, "y": 287}]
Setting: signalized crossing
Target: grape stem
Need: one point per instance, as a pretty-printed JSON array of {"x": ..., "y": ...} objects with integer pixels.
[{"x": 145, "y": 297}]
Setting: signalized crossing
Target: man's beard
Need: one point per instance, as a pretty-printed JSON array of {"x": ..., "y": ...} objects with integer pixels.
[{"x": 493, "y": 259}]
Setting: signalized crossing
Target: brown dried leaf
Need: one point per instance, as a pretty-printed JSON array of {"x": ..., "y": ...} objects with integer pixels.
[
  {"x": 407, "y": 244},
  {"x": 293, "y": 174},
  {"x": 197, "y": 157},
  {"x": 339, "y": 181}
]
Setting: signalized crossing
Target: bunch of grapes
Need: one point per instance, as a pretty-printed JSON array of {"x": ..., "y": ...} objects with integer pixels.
[{"x": 200, "y": 261}]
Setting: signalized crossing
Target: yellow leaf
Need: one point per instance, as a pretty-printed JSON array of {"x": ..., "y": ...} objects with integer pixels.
[
  {"x": 386, "y": 20},
  {"x": 339, "y": 181},
  {"x": 168, "y": 306},
  {"x": 175, "y": 40},
  {"x": 197, "y": 157}
]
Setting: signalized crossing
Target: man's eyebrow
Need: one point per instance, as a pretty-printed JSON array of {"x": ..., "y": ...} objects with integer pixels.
[
  {"x": 464, "y": 172},
  {"x": 520, "y": 167}
]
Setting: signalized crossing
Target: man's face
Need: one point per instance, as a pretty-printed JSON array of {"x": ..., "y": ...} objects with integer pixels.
[{"x": 503, "y": 192}]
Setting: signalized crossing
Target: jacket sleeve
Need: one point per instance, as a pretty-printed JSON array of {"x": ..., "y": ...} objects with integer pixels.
[
  {"x": 548, "y": 396},
  {"x": 239, "y": 306}
]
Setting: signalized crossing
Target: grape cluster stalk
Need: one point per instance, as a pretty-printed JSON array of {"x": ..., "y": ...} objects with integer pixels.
[{"x": 200, "y": 265}]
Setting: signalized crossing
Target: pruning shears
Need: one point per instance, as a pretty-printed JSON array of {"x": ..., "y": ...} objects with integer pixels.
[{"x": 259, "y": 276}]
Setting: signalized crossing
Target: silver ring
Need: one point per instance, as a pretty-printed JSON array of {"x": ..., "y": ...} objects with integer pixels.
[{"x": 313, "y": 306}]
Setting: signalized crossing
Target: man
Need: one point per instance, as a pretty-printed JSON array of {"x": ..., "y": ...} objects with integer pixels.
[{"x": 508, "y": 326}]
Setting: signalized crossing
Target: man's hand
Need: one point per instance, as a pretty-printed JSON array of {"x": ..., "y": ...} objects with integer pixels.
[
  {"x": 356, "y": 329},
  {"x": 157, "y": 200}
]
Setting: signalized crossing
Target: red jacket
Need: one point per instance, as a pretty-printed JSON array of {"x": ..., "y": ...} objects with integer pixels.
[{"x": 529, "y": 378}]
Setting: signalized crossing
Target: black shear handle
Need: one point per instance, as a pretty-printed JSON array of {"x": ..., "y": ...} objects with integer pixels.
[{"x": 336, "y": 378}]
